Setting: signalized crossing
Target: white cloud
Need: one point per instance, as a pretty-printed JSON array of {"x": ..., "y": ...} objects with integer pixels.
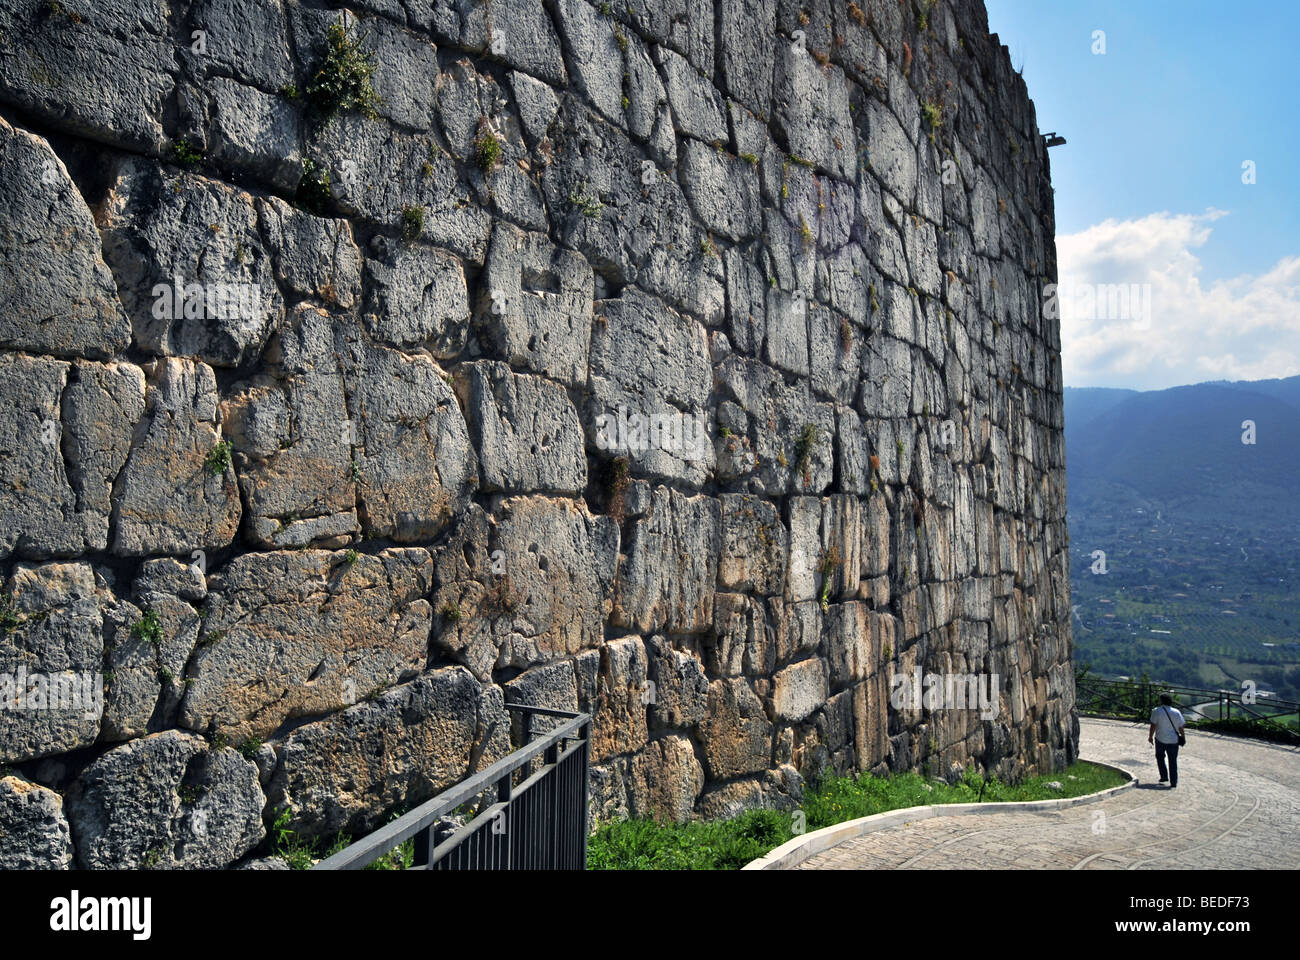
[{"x": 1244, "y": 328}]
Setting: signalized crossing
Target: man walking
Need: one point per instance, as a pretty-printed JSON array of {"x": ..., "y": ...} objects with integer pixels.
[{"x": 1167, "y": 733}]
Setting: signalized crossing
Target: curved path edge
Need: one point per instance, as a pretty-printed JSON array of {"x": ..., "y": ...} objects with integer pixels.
[{"x": 796, "y": 851}]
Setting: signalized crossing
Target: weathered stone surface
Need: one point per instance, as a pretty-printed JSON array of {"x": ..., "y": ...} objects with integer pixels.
[
  {"x": 418, "y": 298},
  {"x": 679, "y": 696},
  {"x": 415, "y": 460},
  {"x": 667, "y": 581},
  {"x": 56, "y": 294},
  {"x": 754, "y": 543},
  {"x": 799, "y": 690},
  {"x": 650, "y": 384},
  {"x": 525, "y": 430},
  {"x": 65, "y": 429},
  {"x": 293, "y": 441},
  {"x": 51, "y": 658},
  {"x": 297, "y": 634},
  {"x": 666, "y": 780},
  {"x": 177, "y": 492},
  {"x": 147, "y": 671},
  {"x": 723, "y": 190},
  {"x": 190, "y": 265},
  {"x": 33, "y": 830},
  {"x": 537, "y": 307},
  {"x": 346, "y": 772},
  {"x": 166, "y": 801},
  {"x": 103, "y": 70},
  {"x": 735, "y": 733},
  {"x": 618, "y": 698},
  {"x": 311, "y": 256}
]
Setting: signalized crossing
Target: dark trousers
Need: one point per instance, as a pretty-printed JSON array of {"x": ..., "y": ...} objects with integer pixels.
[{"x": 1172, "y": 773}]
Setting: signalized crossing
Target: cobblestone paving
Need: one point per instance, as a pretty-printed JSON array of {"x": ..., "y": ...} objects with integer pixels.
[{"x": 1237, "y": 806}]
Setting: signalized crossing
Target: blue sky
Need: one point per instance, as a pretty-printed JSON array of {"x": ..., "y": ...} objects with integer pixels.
[{"x": 1149, "y": 188}]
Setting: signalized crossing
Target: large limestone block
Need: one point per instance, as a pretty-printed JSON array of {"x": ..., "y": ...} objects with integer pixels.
[
  {"x": 56, "y": 294},
  {"x": 293, "y": 440},
  {"x": 536, "y": 305},
  {"x": 416, "y": 461},
  {"x": 668, "y": 579},
  {"x": 34, "y": 832},
  {"x": 526, "y": 431},
  {"x": 65, "y": 429},
  {"x": 754, "y": 543},
  {"x": 799, "y": 690},
  {"x": 666, "y": 780},
  {"x": 193, "y": 272},
  {"x": 679, "y": 695},
  {"x": 418, "y": 298},
  {"x": 312, "y": 256},
  {"x": 298, "y": 634},
  {"x": 166, "y": 801},
  {"x": 103, "y": 70},
  {"x": 650, "y": 383},
  {"x": 346, "y": 772},
  {"x": 172, "y": 498},
  {"x": 735, "y": 734},
  {"x": 51, "y": 660}
]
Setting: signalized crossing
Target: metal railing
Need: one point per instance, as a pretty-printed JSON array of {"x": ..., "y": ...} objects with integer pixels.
[
  {"x": 1224, "y": 709},
  {"x": 537, "y": 822}
]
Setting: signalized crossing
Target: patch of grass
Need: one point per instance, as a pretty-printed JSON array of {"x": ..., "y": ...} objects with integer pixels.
[
  {"x": 186, "y": 154},
  {"x": 412, "y": 223},
  {"x": 620, "y": 39},
  {"x": 487, "y": 149},
  {"x": 351, "y": 557},
  {"x": 750, "y": 158},
  {"x": 218, "y": 458},
  {"x": 314, "y": 192},
  {"x": 341, "y": 81},
  {"x": 807, "y": 164},
  {"x": 450, "y": 613},
  {"x": 149, "y": 628},
  {"x": 730, "y": 844},
  {"x": 250, "y": 747}
]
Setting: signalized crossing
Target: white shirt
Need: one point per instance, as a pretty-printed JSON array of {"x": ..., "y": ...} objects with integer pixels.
[{"x": 1168, "y": 722}]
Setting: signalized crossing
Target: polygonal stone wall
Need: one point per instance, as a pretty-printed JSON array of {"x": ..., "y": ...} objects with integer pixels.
[{"x": 315, "y": 482}]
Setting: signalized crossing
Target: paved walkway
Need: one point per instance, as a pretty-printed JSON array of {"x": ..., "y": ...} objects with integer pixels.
[{"x": 1237, "y": 806}]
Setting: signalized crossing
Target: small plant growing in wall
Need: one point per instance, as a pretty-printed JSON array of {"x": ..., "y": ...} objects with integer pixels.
[
  {"x": 218, "y": 458},
  {"x": 148, "y": 628},
  {"x": 341, "y": 81},
  {"x": 186, "y": 154},
  {"x": 933, "y": 114},
  {"x": 803, "y": 449},
  {"x": 846, "y": 334},
  {"x": 450, "y": 613},
  {"x": 487, "y": 148},
  {"x": 9, "y": 618},
  {"x": 249, "y": 747},
  {"x": 412, "y": 223},
  {"x": 351, "y": 557},
  {"x": 830, "y": 562},
  {"x": 314, "y": 192},
  {"x": 588, "y": 205}
]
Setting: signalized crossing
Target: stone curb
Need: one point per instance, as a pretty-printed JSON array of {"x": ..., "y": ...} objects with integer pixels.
[{"x": 796, "y": 851}]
